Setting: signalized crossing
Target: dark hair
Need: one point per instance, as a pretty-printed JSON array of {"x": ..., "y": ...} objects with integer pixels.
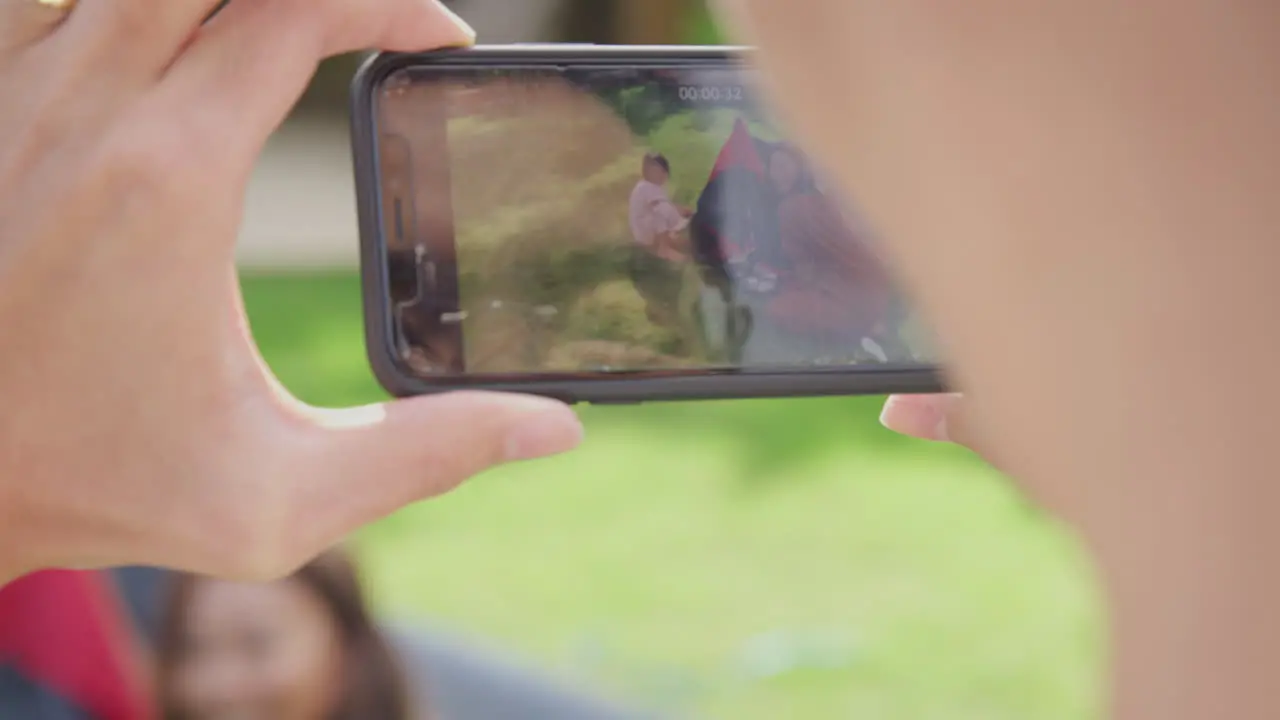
[
  {"x": 373, "y": 684},
  {"x": 805, "y": 183},
  {"x": 658, "y": 159}
]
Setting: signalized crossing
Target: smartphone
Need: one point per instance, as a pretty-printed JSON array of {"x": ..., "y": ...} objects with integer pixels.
[{"x": 612, "y": 225}]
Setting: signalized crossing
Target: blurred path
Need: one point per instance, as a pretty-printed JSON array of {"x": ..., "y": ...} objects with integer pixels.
[{"x": 301, "y": 209}]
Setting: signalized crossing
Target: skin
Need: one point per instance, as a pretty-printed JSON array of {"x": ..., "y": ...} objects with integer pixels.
[
  {"x": 654, "y": 173},
  {"x": 1069, "y": 188},
  {"x": 139, "y": 424},
  {"x": 257, "y": 651}
]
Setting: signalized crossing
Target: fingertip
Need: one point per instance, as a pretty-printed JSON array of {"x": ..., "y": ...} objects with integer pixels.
[
  {"x": 441, "y": 27},
  {"x": 463, "y": 27},
  {"x": 551, "y": 430},
  {"x": 918, "y": 416}
]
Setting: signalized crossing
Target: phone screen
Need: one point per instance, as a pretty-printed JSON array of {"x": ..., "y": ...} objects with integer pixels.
[{"x": 591, "y": 221}]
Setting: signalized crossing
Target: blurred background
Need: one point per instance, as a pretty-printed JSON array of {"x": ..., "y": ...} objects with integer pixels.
[{"x": 715, "y": 560}]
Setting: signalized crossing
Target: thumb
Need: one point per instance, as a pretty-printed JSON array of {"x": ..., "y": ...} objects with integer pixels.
[
  {"x": 926, "y": 417},
  {"x": 941, "y": 418},
  {"x": 358, "y": 465},
  {"x": 948, "y": 418}
]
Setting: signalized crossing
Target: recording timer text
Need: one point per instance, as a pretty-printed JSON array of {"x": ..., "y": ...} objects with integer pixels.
[{"x": 712, "y": 93}]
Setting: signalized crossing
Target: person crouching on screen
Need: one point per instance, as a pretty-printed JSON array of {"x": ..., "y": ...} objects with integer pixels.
[{"x": 659, "y": 252}]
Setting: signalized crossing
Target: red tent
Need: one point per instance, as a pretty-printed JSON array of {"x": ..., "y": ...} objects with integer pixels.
[
  {"x": 739, "y": 151},
  {"x": 740, "y": 155}
]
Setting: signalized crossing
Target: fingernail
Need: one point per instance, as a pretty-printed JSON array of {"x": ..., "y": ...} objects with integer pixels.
[
  {"x": 917, "y": 416},
  {"x": 542, "y": 433},
  {"x": 942, "y": 431},
  {"x": 457, "y": 20}
]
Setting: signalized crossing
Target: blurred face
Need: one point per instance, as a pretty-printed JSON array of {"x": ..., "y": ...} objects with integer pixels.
[
  {"x": 784, "y": 171},
  {"x": 654, "y": 173},
  {"x": 257, "y": 652}
]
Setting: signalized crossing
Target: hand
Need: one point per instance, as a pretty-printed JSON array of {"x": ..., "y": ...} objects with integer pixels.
[
  {"x": 973, "y": 135},
  {"x": 925, "y": 417},
  {"x": 943, "y": 417},
  {"x": 949, "y": 418},
  {"x": 139, "y": 424}
]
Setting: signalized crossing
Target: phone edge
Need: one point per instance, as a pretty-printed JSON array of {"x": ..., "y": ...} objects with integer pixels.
[{"x": 726, "y": 386}]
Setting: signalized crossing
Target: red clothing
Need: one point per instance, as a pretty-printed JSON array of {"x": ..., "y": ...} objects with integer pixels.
[{"x": 68, "y": 633}]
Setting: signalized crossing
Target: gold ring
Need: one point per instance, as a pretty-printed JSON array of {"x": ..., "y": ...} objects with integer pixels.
[{"x": 63, "y": 6}]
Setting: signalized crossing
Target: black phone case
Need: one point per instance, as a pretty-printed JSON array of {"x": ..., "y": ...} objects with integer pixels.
[{"x": 625, "y": 389}]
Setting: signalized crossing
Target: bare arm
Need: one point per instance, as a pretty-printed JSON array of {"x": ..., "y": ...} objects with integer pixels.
[{"x": 1081, "y": 194}]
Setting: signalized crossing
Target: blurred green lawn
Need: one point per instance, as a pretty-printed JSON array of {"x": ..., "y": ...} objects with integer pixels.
[{"x": 729, "y": 560}]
